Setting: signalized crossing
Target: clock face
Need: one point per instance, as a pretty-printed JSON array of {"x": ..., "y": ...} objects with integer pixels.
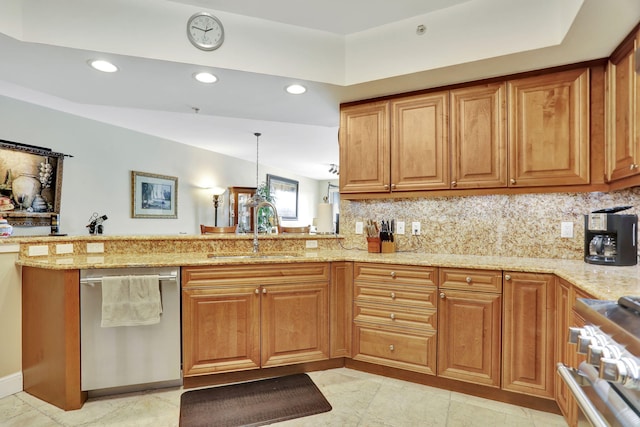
[{"x": 205, "y": 31}]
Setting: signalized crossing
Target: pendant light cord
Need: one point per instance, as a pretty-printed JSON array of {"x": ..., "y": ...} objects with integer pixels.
[{"x": 257, "y": 134}]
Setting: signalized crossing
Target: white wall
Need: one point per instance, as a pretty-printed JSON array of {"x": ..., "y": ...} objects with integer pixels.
[{"x": 97, "y": 178}]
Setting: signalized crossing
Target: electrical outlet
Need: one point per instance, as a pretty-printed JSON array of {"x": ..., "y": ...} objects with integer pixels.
[
  {"x": 566, "y": 229},
  {"x": 415, "y": 228},
  {"x": 359, "y": 227},
  {"x": 400, "y": 227},
  {"x": 311, "y": 244}
]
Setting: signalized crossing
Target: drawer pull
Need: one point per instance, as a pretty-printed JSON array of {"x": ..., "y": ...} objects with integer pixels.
[
  {"x": 393, "y": 274},
  {"x": 392, "y": 316},
  {"x": 391, "y": 347},
  {"x": 393, "y": 295},
  {"x": 468, "y": 279}
]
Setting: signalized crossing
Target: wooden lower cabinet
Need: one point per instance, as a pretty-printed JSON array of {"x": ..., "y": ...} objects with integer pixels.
[
  {"x": 245, "y": 317},
  {"x": 528, "y": 333},
  {"x": 340, "y": 309},
  {"x": 469, "y": 325},
  {"x": 395, "y": 316}
]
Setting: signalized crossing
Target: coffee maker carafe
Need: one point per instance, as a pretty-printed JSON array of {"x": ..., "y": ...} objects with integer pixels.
[{"x": 610, "y": 239}]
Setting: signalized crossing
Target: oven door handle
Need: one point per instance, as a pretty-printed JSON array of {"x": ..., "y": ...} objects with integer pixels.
[{"x": 585, "y": 404}]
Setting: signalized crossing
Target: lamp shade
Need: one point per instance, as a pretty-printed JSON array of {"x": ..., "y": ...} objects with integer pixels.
[{"x": 325, "y": 220}]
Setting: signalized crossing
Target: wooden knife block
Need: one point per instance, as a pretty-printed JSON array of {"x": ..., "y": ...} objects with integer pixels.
[{"x": 388, "y": 247}]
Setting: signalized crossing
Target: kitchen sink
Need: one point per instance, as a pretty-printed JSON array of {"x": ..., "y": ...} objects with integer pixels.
[{"x": 254, "y": 255}]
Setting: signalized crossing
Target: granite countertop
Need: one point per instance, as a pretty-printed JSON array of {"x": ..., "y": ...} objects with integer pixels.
[{"x": 603, "y": 282}]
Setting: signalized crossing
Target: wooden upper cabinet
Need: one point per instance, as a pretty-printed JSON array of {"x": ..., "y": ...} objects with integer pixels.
[
  {"x": 364, "y": 148},
  {"x": 419, "y": 142},
  {"x": 549, "y": 129},
  {"x": 478, "y": 137},
  {"x": 622, "y": 113}
]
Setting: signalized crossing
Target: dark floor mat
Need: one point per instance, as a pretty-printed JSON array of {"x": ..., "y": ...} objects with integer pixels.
[{"x": 253, "y": 403}]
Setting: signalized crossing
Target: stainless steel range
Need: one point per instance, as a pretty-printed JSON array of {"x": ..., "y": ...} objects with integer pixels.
[{"x": 606, "y": 385}]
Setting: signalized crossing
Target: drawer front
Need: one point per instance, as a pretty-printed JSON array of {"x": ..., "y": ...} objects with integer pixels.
[
  {"x": 392, "y": 273},
  {"x": 259, "y": 274},
  {"x": 418, "y": 318},
  {"x": 415, "y": 296},
  {"x": 471, "y": 280},
  {"x": 396, "y": 348}
]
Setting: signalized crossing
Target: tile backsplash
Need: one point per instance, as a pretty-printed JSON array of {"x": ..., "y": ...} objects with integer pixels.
[{"x": 524, "y": 225}]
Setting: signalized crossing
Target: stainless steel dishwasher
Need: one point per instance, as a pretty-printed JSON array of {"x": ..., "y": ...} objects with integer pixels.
[{"x": 134, "y": 357}]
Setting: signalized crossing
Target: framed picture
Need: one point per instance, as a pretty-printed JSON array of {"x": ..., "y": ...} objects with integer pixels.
[
  {"x": 30, "y": 183},
  {"x": 285, "y": 195},
  {"x": 153, "y": 196}
]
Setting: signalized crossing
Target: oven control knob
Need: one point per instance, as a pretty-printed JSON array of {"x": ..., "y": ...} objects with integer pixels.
[
  {"x": 589, "y": 336},
  {"x": 576, "y": 332},
  {"x": 597, "y": 352},
  {"x": 623, "y": 371}
]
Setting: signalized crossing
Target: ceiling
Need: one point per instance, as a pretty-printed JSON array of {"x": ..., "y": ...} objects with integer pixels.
[{"x": 340, "y": 50}]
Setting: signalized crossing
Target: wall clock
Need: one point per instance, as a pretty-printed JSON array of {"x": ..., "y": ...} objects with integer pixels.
[{"x": 205, "y": 31}]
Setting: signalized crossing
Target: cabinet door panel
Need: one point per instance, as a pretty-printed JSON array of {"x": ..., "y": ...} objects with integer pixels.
[
  {"x": 221, "y": 329},
  {"x": 528, "y": 334},
  {"x": 469, "y": 336},
  {"x": 364, "y": 148},
  {"x": 549, "y": 129},
  {"x": 622, "y": 142},
  {"x": 419, "y": 141},
  {"x": 295, "y": 324},
  {"x": 478, "y": 137}
]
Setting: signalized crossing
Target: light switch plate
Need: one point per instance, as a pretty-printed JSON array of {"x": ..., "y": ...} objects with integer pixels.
[
  {"x": 359, "y": 227},
  {"x": 566, "y": 229},
  {"x": 400, "y": 227}
]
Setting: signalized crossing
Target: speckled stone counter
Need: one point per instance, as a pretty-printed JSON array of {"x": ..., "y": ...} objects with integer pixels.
[{"x": 603, "y": 282}]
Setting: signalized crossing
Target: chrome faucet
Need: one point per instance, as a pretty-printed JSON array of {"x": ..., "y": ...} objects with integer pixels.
[{"x": 257, "y": 204}]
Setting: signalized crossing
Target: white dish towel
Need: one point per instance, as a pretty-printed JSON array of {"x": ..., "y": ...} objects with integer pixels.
[{"x": 130, "y": 300}]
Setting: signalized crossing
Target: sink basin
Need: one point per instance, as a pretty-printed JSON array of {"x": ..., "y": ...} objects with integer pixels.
[{"x": 254, "y": 255}]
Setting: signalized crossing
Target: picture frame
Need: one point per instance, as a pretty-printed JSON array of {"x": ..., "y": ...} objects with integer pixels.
[
  {"x": 285, "y": 195},
  {"x": 153, "y": 195},
  {"x": 30, "y": 183}
]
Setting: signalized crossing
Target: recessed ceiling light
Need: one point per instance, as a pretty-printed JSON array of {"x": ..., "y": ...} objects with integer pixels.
[
  {"x": 296, "y": 89},
  {"x": 205, "y": 77},
  {"x": 102, "y": 65}
]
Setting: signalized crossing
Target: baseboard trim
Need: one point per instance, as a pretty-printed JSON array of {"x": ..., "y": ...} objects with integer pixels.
[{"x": 10, "y": 384}]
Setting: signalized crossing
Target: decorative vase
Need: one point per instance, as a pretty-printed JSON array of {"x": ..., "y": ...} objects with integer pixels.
[
  {"x": 47, "y": 195},
  {"x": 39, "y": 204},
  {"x": 24, "y": 190}
]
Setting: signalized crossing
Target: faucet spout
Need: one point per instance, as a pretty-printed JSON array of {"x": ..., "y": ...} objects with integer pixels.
[{"x": 256, "y": 207}]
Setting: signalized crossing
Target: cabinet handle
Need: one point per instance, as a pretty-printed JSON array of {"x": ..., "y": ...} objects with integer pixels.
[
  {"x": 633, "y": 166},
  {"x": 507, "y": 277},
  {"x": 454, "y": 183},
  {"x": 393, "y": 274},
  {"x": 442, "y": 295},
  {"x": 393, "y": 295},
  {"x": 391, "y": 347},
  {"x": 468, "y": 279},
  {"x": 513, "y": 181},
  {"x": 392, "y": 316}
]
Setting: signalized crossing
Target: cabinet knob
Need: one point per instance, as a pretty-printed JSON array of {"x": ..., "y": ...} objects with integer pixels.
[
  {"x": 391, "y": 347},
  {"x": 442, "y": 295},
  {"x": 507, "y": 277},
  {"x": 633, "y": 166},
  {"x": 392, "y": 316},
  {"x": 468, "y": 279},
  {"x": 257, "y": 291},
  {"x": 393, "y": 295},
  {"x": 386, "y": 186},
  {"x": 264, "y": 290},
  {"x": 512, "y": 181},
  {"x": 393, "y": 186},
  {"x": 393, "y": 274},
  {"x": 454, "y": 183}
]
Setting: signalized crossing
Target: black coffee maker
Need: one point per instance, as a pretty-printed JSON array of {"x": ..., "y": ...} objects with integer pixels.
[{"x": 609, "y": 238}]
